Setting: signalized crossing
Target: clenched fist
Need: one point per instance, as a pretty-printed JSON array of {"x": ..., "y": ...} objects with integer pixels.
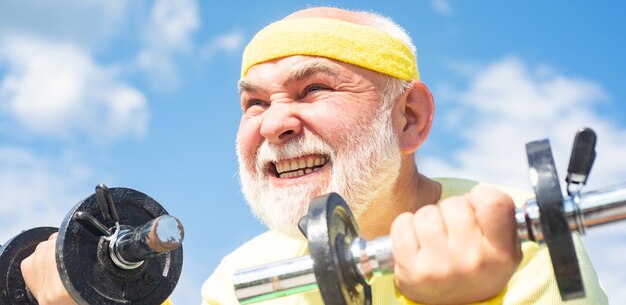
[
  {"x": 42, "y": 277},
  {"x": 463, "y": 250}
]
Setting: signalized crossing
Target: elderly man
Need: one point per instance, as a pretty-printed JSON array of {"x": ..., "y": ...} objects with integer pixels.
[{"x": 332, "y": 101}]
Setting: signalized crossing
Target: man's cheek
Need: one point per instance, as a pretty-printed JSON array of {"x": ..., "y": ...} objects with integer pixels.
[{"x": 246, "y": 148}]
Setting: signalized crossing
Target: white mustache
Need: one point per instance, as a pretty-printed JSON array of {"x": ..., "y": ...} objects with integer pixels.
[{"x": 299, "y": 147}]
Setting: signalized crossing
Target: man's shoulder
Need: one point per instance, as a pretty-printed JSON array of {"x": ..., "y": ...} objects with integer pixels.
[{"x": 267, "y": 247}]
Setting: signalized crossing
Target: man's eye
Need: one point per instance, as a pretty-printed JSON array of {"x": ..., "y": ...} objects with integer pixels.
[
  {"x": 255, "y": 102},
  {"x": 314, "y": 87}
]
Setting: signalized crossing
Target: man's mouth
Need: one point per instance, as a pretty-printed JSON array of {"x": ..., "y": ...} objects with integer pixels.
[{"x": 294, "y": 168}]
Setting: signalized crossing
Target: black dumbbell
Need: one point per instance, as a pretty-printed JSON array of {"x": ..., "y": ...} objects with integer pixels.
[
  {"x": 117, "y": 246},
  {"x": 341, "y": 264}
]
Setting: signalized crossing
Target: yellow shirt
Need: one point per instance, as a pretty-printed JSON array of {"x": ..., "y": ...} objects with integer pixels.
[{"x": 532, "y": 283}]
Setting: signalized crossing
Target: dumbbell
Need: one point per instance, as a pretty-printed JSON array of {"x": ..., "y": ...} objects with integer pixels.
[
  {"x": 117, "y": 246},
  {"x": 342, "y": 265}
]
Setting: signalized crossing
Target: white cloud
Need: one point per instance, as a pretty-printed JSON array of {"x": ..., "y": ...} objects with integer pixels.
[
  {"x": 506, "y": 104},
  {"x": 57, "y": 90},
  {"x": 172, "y": 22},
  {"x": 160, "y": 68},
  {"x": 229, "y": 42},
  {"x": 442, "y": 7},
  {"x": 167, "y": 34},
  {"x": 37, "y": 191}
]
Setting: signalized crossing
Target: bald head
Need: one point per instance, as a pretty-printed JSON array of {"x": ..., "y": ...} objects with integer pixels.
[{"x": 332, "y": 13}]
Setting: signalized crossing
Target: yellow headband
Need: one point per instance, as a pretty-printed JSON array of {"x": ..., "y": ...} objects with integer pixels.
[{"x": 343, "y": 41}]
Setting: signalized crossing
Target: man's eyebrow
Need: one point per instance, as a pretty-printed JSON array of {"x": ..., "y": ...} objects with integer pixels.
[
  {"x": 301, "y": 72},
  {"x": 245, "y": 85},
  {"x": 310, "y": 68}
]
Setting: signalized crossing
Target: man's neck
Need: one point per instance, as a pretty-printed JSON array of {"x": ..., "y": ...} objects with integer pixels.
[{"x": 408, "y": 195}]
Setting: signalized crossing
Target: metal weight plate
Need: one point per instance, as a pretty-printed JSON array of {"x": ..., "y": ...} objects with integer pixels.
[
  {"x": 331, "y": 227},
  {"x": 89, "y": 274},
  {"x": 12, "y": 286},
  {"x": 554, "y": 225}
]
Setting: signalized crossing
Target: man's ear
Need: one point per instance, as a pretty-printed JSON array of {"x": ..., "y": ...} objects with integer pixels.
[{"x": 416, "y": 113}]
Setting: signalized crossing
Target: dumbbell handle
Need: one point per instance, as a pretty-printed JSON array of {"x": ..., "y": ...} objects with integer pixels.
[
  {"x": 583, "y": 211},
  {"x": 374, "y": 257},
  {"x": 130, "y": 247}
]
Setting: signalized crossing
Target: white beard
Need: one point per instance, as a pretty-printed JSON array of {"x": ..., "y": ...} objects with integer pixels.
[{"x": 365, "y": 170}]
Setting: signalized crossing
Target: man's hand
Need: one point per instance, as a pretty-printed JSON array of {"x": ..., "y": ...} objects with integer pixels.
[
  {"x": 41, "y": 276},
  {"x": 463, "y": 250}
]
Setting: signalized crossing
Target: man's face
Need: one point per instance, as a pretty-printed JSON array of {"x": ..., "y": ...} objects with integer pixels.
[{"x": 311, "y": 126}]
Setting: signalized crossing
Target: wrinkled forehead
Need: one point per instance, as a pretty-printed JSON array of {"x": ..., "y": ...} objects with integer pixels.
[{"x": 343, "y": 41}]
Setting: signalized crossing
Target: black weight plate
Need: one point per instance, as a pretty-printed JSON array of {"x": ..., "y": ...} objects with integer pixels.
[
  {"x": 13, "y": 289},
  {"x": 89, "y": 274},
  {"x": 331, "y": 227},
  {"x": 554, "y": 225}
]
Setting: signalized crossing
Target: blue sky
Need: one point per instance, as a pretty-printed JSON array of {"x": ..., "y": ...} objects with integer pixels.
[{"x": 142, "y": 94}]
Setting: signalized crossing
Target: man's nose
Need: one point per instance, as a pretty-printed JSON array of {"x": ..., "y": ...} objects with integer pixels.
[{"x": 280, "y": 124}]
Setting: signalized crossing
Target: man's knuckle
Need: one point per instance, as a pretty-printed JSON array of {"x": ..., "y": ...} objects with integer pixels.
[
  {"x": 425, "y": 213},
  {"x": 40, "y": 247},
  {"x": 401, "y": 222},
  {"x": 486, "y": 194},
  {"x": 449, "y": 203}
]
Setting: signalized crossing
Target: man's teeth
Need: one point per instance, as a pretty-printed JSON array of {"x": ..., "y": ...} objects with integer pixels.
[{"x": 300, "y": 167}]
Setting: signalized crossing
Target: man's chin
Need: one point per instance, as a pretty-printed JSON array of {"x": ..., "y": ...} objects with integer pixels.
[{"x": 280, "y": 207}]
